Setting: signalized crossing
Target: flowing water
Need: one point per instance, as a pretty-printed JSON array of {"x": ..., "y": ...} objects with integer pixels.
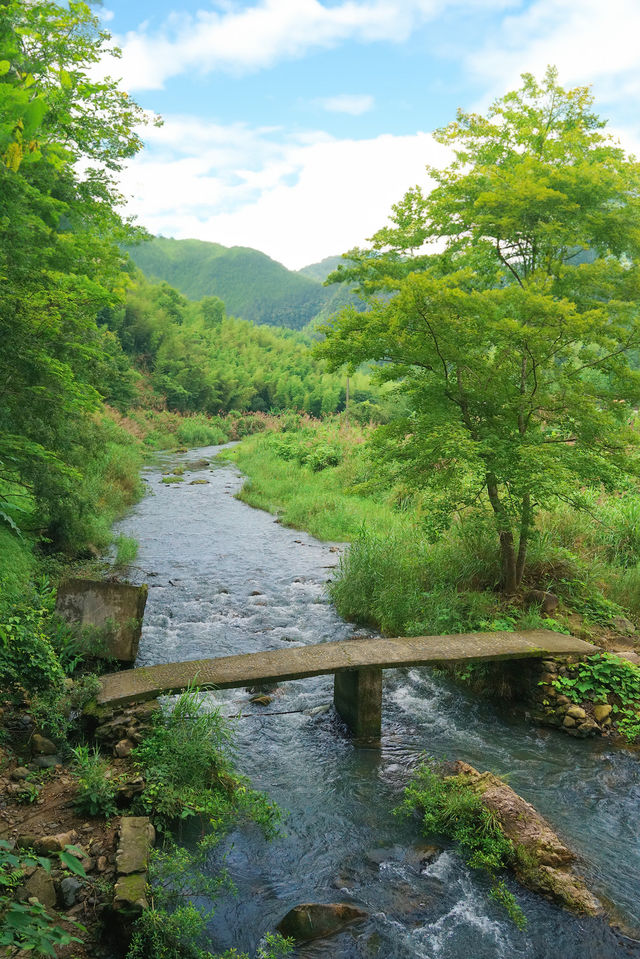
[{"x": 225, "y": 579}]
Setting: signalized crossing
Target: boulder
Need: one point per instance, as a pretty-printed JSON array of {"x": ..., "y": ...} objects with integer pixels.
[
  {"x": 56, "y": 843},
  {"x": 69, "y": 889},
  {"x": 546, "y": 865},
  {"x": 577, "y": 712},
  {"x": 41, "y": 746},
  {"x": 47, "y": 762},
  {"x": 123, "y": 748},
  {"x": 602, "y": 712},
  {"x": 313, "y": 920},
  {"x": 547, "y": 602},
  {"x": 40, "y": 886}
]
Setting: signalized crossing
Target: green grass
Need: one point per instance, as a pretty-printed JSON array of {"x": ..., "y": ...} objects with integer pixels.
[
  {"x": 404, "y": 576},
  {"x": 17, "y": 564},
  {"x": 126, "y": 550},
  {"x": 325, "y": 502}
]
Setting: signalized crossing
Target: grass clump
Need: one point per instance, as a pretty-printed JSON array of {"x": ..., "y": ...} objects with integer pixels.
[
  {"x": 174, "y": 925},
  {"x": 188, "y": 771},
  {"x": 187, "y": 765},
  {"x": 450, "y": 807},
  {"x": 96, "y": 791},
  {"x": 126, "y": 549}
]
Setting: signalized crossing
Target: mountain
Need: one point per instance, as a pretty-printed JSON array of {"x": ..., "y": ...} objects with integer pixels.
[
  {"x": 320, "y": 271},
  {"x": 252, "y": 285}
]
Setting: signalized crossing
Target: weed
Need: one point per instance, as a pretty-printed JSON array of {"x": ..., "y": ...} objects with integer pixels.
[
  {"x": 126, "y": 550},
  {"x": 606, "y": 678},
  {"x": 28, "y": 925},
  {"x": 188, "y": 770},
  {"x": 96, "y": 792},
  {"x": 500, "y": 894}
]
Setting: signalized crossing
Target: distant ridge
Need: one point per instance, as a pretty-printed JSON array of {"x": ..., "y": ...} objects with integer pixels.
[
  {"x": 252, "y": 285},
  {"x": 320, "y": 271}
]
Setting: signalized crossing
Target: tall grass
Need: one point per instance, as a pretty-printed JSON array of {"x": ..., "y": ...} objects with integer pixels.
[{"x": 400, "y": 577}]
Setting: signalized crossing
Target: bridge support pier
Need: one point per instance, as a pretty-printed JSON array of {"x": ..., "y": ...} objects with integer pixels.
[{"x": 357, "y": 697}]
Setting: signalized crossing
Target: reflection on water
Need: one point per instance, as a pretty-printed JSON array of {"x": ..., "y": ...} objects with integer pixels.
[{"x": 227, "y": 579}]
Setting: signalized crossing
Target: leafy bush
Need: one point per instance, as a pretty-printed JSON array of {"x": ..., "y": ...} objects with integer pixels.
[
  {"x": 27, "y": 925},
  {"x": 96, "y": 792},
  {"x": 188, "y": 771},
  {"x": 54, "y": 710},
  {"x": 27, "y": 657},
  {"x": 606, "y": 679},
  {"x": 450, "y": 807}
]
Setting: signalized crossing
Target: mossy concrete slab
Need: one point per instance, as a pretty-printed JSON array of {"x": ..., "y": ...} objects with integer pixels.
[
  {"x": 130, "y": 894},
  {"x": 136, "y": 838},
  {"x": 231, "y": 672}
]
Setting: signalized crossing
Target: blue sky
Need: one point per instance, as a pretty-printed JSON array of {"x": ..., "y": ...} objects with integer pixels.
[{"x": 293, "y": 125}]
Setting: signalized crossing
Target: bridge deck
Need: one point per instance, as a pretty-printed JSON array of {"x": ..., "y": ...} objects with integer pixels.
[{"x": 229, "y": 672}]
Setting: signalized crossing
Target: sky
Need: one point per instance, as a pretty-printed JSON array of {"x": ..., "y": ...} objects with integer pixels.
[{"x": 292, "y": 126}]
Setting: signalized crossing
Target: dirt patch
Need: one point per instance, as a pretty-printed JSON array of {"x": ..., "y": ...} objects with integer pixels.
[{"x": 36, "y": 812}]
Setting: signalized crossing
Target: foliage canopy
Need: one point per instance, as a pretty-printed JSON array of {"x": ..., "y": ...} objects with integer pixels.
[{"x": 515, "y": 344}]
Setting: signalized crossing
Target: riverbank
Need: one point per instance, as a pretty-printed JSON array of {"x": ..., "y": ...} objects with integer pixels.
[
  {"x": 47, "y": 675},
  {"x": 404, "y": 576}
]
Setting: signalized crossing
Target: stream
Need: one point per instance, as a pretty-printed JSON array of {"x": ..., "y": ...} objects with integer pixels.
[{"x": 223, "y": 579}]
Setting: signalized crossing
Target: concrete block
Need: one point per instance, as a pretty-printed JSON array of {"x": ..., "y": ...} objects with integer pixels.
[
  {"x": 113, "y": 609},
  {"x": 357, "y": 696}
]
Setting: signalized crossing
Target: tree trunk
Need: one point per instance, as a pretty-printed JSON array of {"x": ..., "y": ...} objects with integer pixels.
[
  {"x": 507, "y": 547},
  {"x": 525, "y": 533}
]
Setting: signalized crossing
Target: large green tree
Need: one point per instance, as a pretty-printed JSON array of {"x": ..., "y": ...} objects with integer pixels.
[
  {"x": 515, "y": 340},
  {"x": 63, "y": 139}
]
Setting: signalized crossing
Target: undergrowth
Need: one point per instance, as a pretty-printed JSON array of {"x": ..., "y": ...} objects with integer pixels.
[
  {"x": 187, "y": 765},
  {"x": 608, "y": 680},
  {"x": 407, "y": 573}
]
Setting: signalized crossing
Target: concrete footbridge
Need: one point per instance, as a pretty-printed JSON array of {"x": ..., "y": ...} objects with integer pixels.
[{"x": 356, "y": 664}]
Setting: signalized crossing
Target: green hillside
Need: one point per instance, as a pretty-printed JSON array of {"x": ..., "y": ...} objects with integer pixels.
[
  {"x": 320, "y": 271},
  {"x": 251, "y": 284}
]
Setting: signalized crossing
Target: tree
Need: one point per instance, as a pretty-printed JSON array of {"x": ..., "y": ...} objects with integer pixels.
[
  {"x": 63, "y": 139},
  {"x": 513, "y": 344}
]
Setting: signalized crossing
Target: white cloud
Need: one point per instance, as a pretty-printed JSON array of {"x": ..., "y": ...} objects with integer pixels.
[
  {"x": 298, "y": 199},
  {"x": 244, "y": 39},
  {"x": 589, "y": 41},
  {"x": 354, "y": 104}
]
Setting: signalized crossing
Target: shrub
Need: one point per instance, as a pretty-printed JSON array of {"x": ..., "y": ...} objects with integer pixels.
[
  {"x": 96, "y": 792},
  {"x": 605, "y": 678},
  {"x": 27, "y": 925},
  {"x": 27, "y": 657},
  {"x": 54, "y": 709}
]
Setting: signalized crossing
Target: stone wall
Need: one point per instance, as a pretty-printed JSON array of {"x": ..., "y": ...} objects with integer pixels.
[{"x": 550, "y": 708}]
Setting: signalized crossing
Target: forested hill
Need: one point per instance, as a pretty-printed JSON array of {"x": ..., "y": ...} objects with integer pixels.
[
  {"x": 320, "y": 271},
  {"x": 251, "y": 284}
]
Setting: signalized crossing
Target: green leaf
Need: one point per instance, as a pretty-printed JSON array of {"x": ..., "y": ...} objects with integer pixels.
[
  {"x": 5, "y": 66},
  {"x": 72, "y": 862}
]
